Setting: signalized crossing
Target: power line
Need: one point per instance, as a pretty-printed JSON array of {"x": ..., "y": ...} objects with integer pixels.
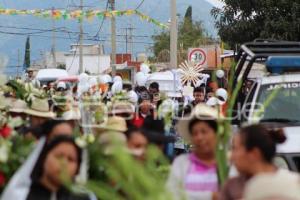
[
  {"x": 64, "y": 30},
  {"x": 102, "y": 22},
  {"x": 141, "y": 3},
  {"x": 60, "y": 37}
]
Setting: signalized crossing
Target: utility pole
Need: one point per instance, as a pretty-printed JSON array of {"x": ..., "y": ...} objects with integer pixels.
[
  {"x": 131, "y": 38},
  {"x": 53, "y": 43},
  {"x": 81, "y": 70},
  {"x": 174, "y": 35},
  {"x": 113, "y": 38},
  {"x": 126, "y": 40}
]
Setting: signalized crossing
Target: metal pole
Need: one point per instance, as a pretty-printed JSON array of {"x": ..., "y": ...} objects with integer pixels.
[
  {"x": 113, "y": 39},
  {"x": 53, "y": 43},
  {"x": 174, "y": 35},
  {"x": 126, "y": 47},
  {"x": 131, "y": 39},
  {"x": 81, "y": 70}
]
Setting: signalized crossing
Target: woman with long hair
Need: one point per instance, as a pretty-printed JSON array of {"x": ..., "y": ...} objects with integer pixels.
[{"x": 59, "y": 160}]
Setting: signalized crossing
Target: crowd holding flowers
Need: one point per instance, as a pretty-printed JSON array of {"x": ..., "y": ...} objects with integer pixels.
[{"x": 102, "y": 139}]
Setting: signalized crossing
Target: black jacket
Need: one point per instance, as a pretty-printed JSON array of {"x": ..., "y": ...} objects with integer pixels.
[{"x": 39, "y": 192}]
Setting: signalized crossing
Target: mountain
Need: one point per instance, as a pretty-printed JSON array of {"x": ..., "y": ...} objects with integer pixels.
[{"x": 67, "y": 30}]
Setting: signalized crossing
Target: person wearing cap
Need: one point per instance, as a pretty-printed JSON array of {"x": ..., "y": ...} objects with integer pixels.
[
  {"x": 61, "y": 86},
  {"x": 194, "y": 176}
]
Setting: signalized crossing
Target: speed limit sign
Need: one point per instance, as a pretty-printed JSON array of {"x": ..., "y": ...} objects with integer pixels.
[{"x": 198, "y": 56}]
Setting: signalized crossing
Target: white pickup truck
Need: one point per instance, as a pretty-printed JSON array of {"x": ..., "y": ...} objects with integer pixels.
[{"x": 280, "y": 85}]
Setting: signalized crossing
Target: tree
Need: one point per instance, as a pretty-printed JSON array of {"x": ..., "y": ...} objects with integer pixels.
[
  {"x": 243, "y": 20},
  {"x": 27, "y": 54},
  {"x": 190, "y": 34}
]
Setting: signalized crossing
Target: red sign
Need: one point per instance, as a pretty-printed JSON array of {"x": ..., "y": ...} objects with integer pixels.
[{"x": 198, "y": 56}]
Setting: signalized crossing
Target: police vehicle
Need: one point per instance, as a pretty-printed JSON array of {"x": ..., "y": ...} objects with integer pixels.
[{"x": 274, "y": 95}]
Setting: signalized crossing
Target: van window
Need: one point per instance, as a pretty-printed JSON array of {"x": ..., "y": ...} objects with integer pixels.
[
  {"x": 249, "y": 102},
  {"x": 284, "y": 105}
]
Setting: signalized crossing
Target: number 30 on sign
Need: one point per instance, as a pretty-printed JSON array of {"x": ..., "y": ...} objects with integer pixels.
[{"x": 198, "y": 56}]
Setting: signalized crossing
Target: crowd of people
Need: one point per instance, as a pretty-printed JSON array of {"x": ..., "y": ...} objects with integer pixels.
[{"x": 62, "y": 120}]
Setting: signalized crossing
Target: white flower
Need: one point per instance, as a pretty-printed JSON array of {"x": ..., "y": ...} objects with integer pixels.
[{"x": 81, "y": 142}]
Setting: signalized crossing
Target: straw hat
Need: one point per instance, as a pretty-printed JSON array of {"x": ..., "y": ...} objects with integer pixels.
[
  {"x": 40, "y": 108},
  {"x": 18, "y": 106},
  {"x": 73, "y": 114},
  {"x": 121, "y": 107},
  {"x": 113, "y": 124},
  {"x": 201, "y": 112},
  {"x": 3, "y": 102},
  {"x": 110, "y": 141}
]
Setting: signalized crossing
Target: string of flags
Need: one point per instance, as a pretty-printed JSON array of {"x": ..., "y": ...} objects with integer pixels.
[{"x": 80, "y": 14}]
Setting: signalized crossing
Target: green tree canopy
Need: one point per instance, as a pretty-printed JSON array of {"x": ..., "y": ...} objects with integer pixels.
[
  {"x": 190, "y": 34},
  {"x": 243, "y": 20},
  {"x": 27, "y": 54}
]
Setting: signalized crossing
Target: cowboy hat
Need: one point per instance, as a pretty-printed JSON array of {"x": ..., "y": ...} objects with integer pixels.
[
  {"x": 201, "y": 112},
  {"x": 111, "y": 141},
  {"x": 73, "y": 114},
  {"x": 121, "y": 107},
  {"x": 40, "y": 108},
  {"x": 4, "y": 103},
  {"x": 113, "y": 124},
  {"x": 18, "y": 106}
]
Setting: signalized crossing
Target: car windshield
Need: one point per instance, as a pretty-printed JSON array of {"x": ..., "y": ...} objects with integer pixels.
[{"x": 284, "y": 106}]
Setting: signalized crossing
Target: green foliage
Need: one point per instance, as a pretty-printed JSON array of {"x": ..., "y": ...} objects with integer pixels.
[
  {"x": 27, "y": 53},
  {"x": 189, "y": 13},
  {"x": 18, "y": 88},
  {"x": 243, "y": 20},
  {"x": 19, "y": 149},
  {"x": 119, "y": 176}
]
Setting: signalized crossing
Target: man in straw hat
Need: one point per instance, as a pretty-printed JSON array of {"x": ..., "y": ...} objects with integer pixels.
[
  {"x": 18, "y": 108},
  {"x": 111, "y": 134},
  {"x": 111, "y": 124},
  {"x": 39, "y": 112}
]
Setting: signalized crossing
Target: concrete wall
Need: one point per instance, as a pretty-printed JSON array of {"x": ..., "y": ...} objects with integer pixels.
[{"x": 95, "y": 64}]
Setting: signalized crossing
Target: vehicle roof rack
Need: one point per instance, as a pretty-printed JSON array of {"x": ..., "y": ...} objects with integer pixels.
[{"x": 261, "y": 49}]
